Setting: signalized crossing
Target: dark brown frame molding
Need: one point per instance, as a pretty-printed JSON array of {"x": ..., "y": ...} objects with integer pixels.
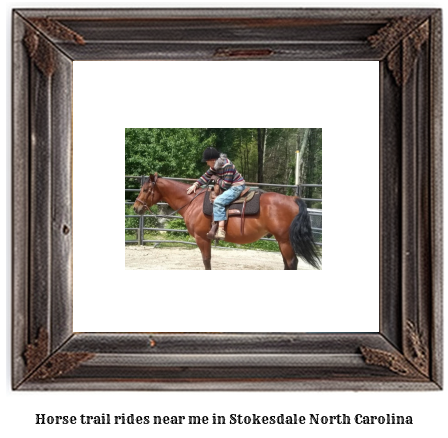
[{"x": 406, "y": 354}]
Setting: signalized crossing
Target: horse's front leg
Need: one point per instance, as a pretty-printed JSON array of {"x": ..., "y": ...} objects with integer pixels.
[{"x": 205, "y": 245}]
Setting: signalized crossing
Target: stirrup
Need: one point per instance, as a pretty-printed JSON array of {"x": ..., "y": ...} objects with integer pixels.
[{"x": 212, "y": 232}]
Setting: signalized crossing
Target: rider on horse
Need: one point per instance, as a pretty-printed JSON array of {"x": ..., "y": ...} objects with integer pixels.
[{"x": 224, "y": 173}]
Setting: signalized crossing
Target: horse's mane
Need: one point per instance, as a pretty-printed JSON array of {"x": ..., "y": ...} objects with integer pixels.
[
  {"x": 166, "y": 179},
  {"x": 175, "y": 181}
]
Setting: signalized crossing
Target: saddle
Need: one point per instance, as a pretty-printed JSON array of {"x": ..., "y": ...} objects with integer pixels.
[{"x": 247, "y": 204}]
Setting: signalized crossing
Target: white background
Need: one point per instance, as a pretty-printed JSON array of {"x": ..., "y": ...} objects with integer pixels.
[
  {"x": 19, "y": 408},
  {"x": 109, "y": 96}
]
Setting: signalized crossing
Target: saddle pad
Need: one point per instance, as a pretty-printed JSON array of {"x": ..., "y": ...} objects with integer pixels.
[{"x": 252, "y": 206}]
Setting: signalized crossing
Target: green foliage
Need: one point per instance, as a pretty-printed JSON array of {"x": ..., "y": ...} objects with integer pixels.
[
  {"x": 175, "y": 224},
  {"x": 221, "y": 138},
  {"x": 170, "y": 152},
  {"x": 246, "y": 155},
  {"x": 134, "y": 222},
  {"x": 177, "y": 152},
  {"x": 130, "y": 222},
  {"x": 151, "y": 221}
]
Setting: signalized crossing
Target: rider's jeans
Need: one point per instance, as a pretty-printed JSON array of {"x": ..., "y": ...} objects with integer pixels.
[{"x": 219, "y": 206}]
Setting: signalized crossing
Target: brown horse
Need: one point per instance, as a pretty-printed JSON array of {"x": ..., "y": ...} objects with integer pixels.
[{"x": 283, "y": 216}]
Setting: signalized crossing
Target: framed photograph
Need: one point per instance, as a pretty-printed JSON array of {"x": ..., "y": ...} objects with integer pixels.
[{"x": 52, "y": 351}]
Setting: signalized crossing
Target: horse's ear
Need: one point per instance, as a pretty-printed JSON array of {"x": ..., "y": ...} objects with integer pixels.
[{"x": 156, "y": 175}]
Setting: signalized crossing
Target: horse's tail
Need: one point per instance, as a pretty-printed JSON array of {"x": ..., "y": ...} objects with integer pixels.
[{"x": 301, "y": 236}]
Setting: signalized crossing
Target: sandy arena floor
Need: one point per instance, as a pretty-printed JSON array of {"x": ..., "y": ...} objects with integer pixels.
[{"x": 149, "y": 258}]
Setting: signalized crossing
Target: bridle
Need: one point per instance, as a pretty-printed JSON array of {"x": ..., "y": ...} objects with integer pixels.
[{"x": 145, "y": 205}]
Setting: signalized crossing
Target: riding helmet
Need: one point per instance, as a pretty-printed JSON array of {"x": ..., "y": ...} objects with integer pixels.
[{"x": 210, "y": 154}]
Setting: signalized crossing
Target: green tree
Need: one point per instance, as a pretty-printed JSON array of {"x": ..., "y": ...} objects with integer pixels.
[
  {"x": 172, "y": 151},
  {"x": 260, "y": 154}
]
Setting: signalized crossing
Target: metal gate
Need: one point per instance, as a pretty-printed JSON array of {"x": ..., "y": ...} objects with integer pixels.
[{"x": 315, "y": 214}]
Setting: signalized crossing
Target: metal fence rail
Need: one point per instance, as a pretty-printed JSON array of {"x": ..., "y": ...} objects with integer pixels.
[{"x": 315, "y": 214}]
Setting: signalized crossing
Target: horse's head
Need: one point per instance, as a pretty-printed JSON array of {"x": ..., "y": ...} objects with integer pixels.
[{"x": 148, "y": 196}]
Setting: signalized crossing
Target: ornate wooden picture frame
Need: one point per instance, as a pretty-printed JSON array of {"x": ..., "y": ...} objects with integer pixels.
[{"x": 406, "y": 353}]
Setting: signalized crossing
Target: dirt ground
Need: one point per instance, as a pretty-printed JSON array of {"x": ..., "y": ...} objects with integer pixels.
[{"x": 149, "y": 258}]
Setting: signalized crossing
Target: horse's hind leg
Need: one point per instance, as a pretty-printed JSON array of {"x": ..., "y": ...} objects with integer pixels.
[
  {"x": 289, "y": 256},
  {"x": 205, "y": 246}
]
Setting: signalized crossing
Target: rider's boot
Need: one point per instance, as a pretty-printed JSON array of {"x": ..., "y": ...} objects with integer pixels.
[
  {"x": 221, "y": 234},
  {"x": 212, "y": 232}
]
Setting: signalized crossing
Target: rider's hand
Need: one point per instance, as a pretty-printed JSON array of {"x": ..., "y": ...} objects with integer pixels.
[
  {"x": 214, "y": 177},
  {"x": 192, "y": 189}
]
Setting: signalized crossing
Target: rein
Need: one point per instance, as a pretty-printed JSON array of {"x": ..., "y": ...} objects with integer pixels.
[{"x": 188, "y": 203}]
